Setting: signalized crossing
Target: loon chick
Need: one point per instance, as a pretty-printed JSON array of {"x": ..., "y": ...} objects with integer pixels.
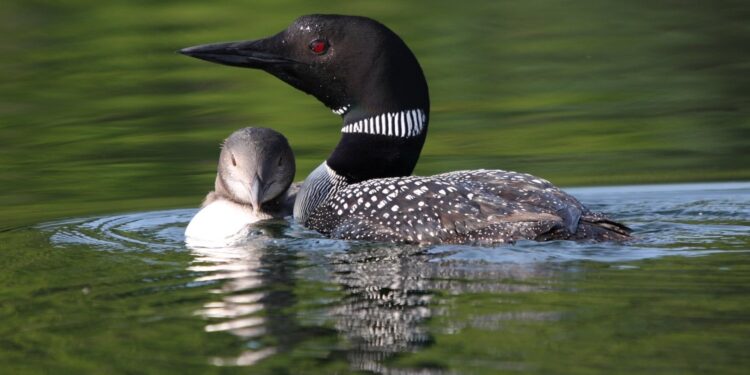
[
  {"x": 365, "y": 73},
  {"x": 253, "y": 178}
]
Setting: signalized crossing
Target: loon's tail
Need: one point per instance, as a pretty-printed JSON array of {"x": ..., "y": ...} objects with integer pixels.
[
  {"x": 592, "y": 226},
  {"x": 597, "y": 227}
]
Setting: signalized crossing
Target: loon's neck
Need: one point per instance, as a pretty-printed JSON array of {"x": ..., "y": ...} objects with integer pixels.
[{"x": 379, "y": 145}]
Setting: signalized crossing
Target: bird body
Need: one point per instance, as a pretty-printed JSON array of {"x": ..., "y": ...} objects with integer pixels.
[
  {"x": 475, "y": 206},
  {"x": 366, "y": 74}
]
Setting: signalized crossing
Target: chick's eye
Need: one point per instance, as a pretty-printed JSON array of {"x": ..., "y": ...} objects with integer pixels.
[
  {"x": 319, "y": 46},
  {"x": 234, "y": 162},
  {"x": 281, "y": 161}
]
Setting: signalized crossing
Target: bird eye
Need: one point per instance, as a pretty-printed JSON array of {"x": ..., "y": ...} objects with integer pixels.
[
  {"x": 234, "y": 162},
  {"x": 319, "y": 46},
  {"x": 281, "y": 160}
]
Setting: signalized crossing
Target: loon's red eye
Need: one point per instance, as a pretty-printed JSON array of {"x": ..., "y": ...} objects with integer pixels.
[{"x": 319, "y": 46}]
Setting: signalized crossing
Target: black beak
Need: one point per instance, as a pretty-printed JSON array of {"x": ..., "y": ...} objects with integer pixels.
[{"x": 256, "y": 54}]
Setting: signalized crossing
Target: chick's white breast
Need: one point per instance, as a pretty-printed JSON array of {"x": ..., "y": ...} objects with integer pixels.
[{"x": 220, "y": 223}]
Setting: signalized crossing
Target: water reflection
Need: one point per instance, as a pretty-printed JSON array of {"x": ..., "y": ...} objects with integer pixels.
[
  {"x": 242, "y": 297},
  {"x": 390, "y": 298},
  {"x": 386, "y": 301},
  {"x": 256, "y": 290}
]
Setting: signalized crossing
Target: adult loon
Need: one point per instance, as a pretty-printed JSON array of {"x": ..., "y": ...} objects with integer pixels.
[
  {"x": 253, "y": 178},
  {"x": 365, "y": 73}
]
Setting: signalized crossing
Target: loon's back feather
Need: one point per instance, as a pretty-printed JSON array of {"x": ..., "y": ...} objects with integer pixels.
[{"x": 477, "y": 206}]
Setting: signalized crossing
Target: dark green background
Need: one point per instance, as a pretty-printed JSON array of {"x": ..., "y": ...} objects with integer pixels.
[{"x": 98, "y": 114}]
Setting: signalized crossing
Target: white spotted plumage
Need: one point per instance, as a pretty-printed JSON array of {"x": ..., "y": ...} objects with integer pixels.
[{"x": 478, "y": 206}]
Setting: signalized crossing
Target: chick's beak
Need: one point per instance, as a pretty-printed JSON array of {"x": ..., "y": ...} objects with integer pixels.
[{"x": 256, "y": 192}]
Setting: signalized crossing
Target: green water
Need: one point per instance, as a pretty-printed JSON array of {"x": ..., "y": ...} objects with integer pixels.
[{"x": 105, "y": 131}]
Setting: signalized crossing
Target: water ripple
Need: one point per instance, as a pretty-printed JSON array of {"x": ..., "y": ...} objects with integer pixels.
[{"x": 668, "y": 220}]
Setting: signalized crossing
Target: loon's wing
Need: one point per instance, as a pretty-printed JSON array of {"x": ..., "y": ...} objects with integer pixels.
[
  {"x": 506, "y": 196},
  {"x": 490, "y": 210},
  {"x": 539, "y": 195},
  {"x": 578, "y": 222}
]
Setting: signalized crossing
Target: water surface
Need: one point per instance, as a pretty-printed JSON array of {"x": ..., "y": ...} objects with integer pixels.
[{"x": 121, "y": 294}]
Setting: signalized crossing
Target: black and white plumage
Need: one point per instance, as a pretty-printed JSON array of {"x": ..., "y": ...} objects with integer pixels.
[
  {"x": 409, "y": 123},
  {"x": 477, "y": 206},
  {"x": 366, "y": 74}
]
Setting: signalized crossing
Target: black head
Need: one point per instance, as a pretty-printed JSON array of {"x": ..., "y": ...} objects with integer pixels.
[
  {"x": 341, "y": 60},
  {"x": 256, "y": 166}
]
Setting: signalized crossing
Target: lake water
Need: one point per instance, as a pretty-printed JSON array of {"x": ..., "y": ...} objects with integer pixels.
[
  {"x": 122, "y": 294},
  {"x": 109, "y": 140}
]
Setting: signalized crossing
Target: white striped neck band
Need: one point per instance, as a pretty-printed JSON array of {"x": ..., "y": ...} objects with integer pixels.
[
  {"x": 341, "y": 110},
  {"x": 409, "y": 123}
]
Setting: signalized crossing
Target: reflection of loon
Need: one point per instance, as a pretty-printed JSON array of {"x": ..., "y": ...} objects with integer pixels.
[
  {"x": 385, "y": 306},
  {"x": 390, "y": 298},
  {"x": 256, "y": 168},
  {"x": 386, "y": 296},
  {"x": 365, "y": 73}
]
